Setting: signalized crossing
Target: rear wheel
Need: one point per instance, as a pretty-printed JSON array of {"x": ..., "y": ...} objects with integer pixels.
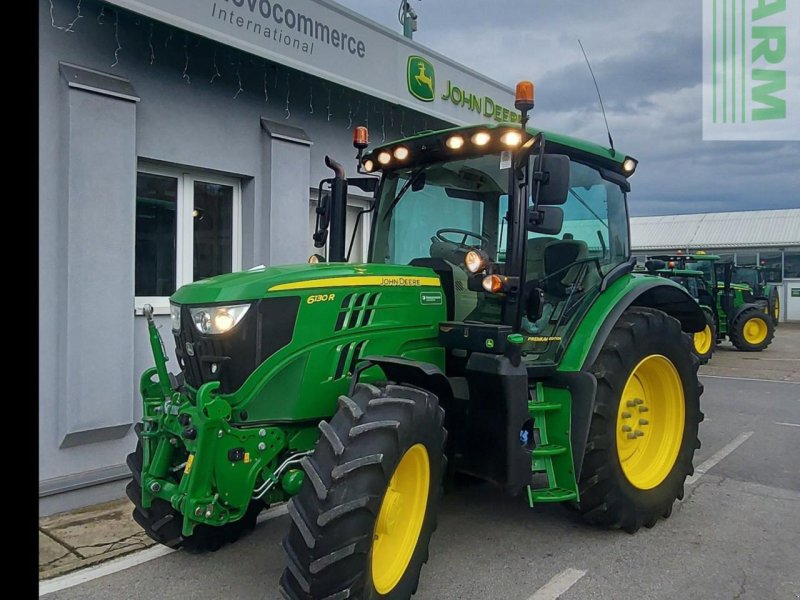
[
  {"x": 704, "y": 342},
  {"x": 775, "y": 305},
  {"x": 162, "y": 523},
  {"x": 752, "y": 330},
  {"x": 363, "y": 519},
  {"x": 643, "y": 433}
]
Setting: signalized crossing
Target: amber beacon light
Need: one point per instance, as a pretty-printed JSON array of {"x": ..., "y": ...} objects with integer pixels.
[
  {"x": 360, "y": 137},
  {"x": 523, "y": 99}
]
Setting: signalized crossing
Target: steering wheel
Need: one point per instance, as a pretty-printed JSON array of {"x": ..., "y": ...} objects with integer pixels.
[{"x": 462, "y": 232}]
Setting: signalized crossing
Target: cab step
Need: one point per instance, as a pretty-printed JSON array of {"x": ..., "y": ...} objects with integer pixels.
[
  {"x": 550, "y": 495},
  {"x": 549, "y": 450}
]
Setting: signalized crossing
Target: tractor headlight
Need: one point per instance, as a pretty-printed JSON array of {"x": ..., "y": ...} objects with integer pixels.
[
  {"x": 475, "y": 260},
  {"x": 218, "y": 319},
  {"x": 175, "y": 316}
]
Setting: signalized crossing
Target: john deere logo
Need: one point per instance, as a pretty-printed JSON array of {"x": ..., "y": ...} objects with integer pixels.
[{"x": 421, "y": 79}]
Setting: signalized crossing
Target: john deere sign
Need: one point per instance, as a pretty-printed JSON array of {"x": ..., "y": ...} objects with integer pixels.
[{"x": 421, "y": 79}]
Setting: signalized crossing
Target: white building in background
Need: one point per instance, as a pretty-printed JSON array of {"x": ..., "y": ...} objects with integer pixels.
[{"x": 770, "y": 238}]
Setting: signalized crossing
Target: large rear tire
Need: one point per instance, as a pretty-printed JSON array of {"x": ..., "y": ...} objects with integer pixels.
[
  {"x": 162, "y": 523},
  {"x": 752, "y": 330},
  {"x": 643, "y": 433},
  {"x": 364, "y": 516}
]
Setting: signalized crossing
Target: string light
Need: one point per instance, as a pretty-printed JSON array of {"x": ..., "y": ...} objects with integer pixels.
[
  {"x": 266, "y": 93},
  {"x": 383, "y": 124},
  {"x": 116, "y": 38},
  {"x": 101, "y": 15},
  {"x": 150, "y": 43},
  {"x": 329, "y": 104},
  {"x": 288, "y": 90},
  {"x": 216, "y": 67},
  {"x": 69, "y": 26},
  {"x": 349, "y": 113},
  {"x": 239, "y": 79},
  {"x": 186, "y": 64},
  {"x": 366, "y": 118},
  {"x": 311, "y": 98},
  {"x": 169, "y": 39},
  {"x": 402, "y": 121}
]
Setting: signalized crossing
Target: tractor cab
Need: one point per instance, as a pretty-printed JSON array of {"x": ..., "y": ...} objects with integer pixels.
[{"x": 532, "y": 264}]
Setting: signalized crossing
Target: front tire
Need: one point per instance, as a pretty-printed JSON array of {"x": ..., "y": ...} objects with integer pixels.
[
  {"x": 364, "y": 516},
  {"x": 643, "y": 433},
  {"x": 705, "y": 342},
  {"x": 752, "y": 330}
]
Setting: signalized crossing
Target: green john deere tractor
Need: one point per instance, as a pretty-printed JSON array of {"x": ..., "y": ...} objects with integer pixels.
[
  {"x": 497, "y": 330},
  {"x": 703, "y": 342},
  {"x": 762, "y": 283},
  {"x": 731, "y": 310}
]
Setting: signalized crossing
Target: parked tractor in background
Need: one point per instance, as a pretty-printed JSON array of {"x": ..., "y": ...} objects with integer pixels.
[
  {"x": 496, "y": 330},
  {"x": 762, "y": 283},
  {"x": 731, "y": 306},
  {"x": 703, "y": 342}
]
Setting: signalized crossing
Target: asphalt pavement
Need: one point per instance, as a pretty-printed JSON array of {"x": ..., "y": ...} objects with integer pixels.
[{"x": 736, "y": 534}]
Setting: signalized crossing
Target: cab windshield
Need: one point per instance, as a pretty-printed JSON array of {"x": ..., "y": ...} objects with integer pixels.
[{"x": 432, "y": 215}]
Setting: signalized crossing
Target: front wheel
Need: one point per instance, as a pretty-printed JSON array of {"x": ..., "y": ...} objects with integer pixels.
[
  {"x": 704, "y": 342},
  {"x": 752, "y": 330},
  {"x": 643, "y": 433},
  {"x": 364, "y": 516}
]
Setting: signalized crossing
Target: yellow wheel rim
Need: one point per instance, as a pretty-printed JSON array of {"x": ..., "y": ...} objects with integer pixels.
[
  {"x": 702, "y": 341},
  {"x": 400, "y": 519},
  {"x": 650, "y": 422},
  {"x": 755, "y": 330},
  {"x": 776, "y": 309}
]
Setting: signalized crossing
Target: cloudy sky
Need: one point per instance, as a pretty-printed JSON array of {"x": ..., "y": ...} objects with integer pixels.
[{"x": 647, "y": 56}]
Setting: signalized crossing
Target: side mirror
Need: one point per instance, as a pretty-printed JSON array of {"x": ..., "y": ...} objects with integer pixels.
[
  {"x": 655, "y": 265},
  {"x": 554, "y": 175},
  {"x": 366, "y": 184},
  {"x": 323, "y": 221},
  {"x": 545, "y": 219},
  {"x": 535, "y": 305}
]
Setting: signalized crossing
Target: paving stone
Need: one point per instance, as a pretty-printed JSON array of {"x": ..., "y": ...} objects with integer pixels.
[
  {"x": 53, "y": 555},
  {"x": 97, "y": 529}
]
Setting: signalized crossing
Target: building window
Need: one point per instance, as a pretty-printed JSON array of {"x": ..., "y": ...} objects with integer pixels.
[
  {"x": 187, "y": 228},
  {"x": 773, "y": 265},
  {"x": 746, "y": 259},
  {"x": 791, "y": 264}
]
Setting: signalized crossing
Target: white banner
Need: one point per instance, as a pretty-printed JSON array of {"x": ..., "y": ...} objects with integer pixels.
[{"x": 751, "y": 69}]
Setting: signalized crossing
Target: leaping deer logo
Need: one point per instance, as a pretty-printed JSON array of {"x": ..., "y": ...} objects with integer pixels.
[{"x": 421, "y": 78}]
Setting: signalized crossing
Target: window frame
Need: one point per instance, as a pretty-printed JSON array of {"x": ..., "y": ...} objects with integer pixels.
[{"x": 184, "y": 240}]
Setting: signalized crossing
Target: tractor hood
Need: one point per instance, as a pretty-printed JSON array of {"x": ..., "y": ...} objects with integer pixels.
[{"x": 262, "y": 281}]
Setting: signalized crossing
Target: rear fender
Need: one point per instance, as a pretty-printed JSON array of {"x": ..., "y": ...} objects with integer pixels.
[{"x": 745, "y": 307}]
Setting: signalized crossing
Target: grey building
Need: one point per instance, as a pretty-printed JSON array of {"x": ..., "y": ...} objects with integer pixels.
[
  {"x": 181, "y": 139},
  {"x": 769, "y": 238}
]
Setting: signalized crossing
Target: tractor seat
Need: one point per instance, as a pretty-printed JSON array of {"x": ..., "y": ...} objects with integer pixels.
[
  {"x": 559, "y": 255},
  {"x": 534, "y": 257}
]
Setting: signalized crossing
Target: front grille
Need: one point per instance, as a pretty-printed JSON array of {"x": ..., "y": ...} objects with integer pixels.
[
  {"x": 356, "y": 310},
  {"x": 231, "y": 357}
]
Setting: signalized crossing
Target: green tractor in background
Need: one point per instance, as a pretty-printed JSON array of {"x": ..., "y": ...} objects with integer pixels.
[
  {"x": 497, "y": 330},
  {"x": 731, "y": 310},
  {"x": 704, "y": 342},
  {"x": 761, "y": 281}
]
